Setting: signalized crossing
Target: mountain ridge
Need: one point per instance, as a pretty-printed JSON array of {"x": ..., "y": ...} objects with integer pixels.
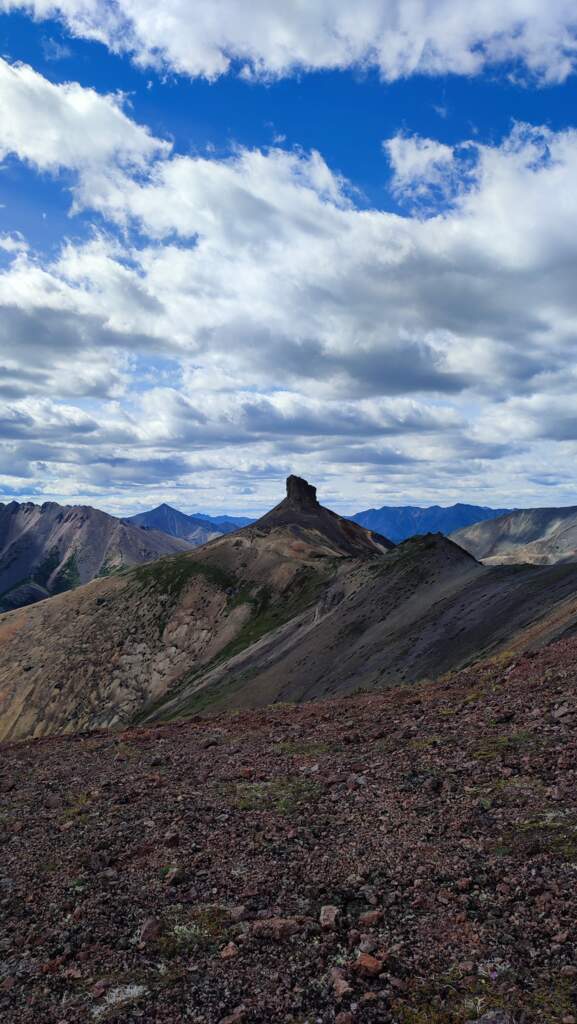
[
  {"x": 540, "y": 536},
  {"x": 49, "y": 548},
  {"x": 399, "y": 522},
  {"x": 301, "y": 605}
]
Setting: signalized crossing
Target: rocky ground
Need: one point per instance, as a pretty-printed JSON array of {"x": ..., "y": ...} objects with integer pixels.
[{"x": 409, "y": 856}]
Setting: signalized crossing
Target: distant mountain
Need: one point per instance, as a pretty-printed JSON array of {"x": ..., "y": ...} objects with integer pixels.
[
  {"x": 540, "y": 536},
  {"x": 403, "y": 521},
  {"x": 197, "y": 529},
  {"x": 303, "y": 604},
  {"x": 46, "y": 549}
]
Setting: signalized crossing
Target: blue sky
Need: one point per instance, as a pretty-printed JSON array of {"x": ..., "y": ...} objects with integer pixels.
[{"x": 348, "y": 254}]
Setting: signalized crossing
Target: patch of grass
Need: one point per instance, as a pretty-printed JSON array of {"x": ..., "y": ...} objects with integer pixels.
[
  {"x": 78, "y": 806},
  {"x": 110, "y": 570},
  {"x": 496, "y": 746},
  {"x": 171, "y": 575},
  {"x": 430, "y": 741},
  {"x": 284, "y": 796},
  {"x": 551, "y": 833},
  {"x": 204, "y": 930}
]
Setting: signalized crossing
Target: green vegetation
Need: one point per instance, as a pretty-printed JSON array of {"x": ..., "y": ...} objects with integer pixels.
[
  {"x": 302, "y": 748},
  {"x": 44, "y": 571},
  {"x": 448, "y": 1001},
  {"x": 68, "y": 577},
  {"x": 268, "y": 614},
  {"x": 284, "y": 796},
  {"x": 110, "y": 570},
  {"x": 171, "y": 575},
  {"x": 203, "y": 930},
  {"x": 496, "y": 746},
  {"x": 551, "y": 833}
]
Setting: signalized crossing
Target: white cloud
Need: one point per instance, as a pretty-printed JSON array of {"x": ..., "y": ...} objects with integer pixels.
[
  {"x": 67, "y": 126},
  {"x": 419, "y": 165},
  {"x": 259, "y": 322},
  {"x": 399, "y": 37}
]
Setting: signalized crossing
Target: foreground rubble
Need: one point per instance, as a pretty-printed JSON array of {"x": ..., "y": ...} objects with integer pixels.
[{"x": 409, "y": 856}]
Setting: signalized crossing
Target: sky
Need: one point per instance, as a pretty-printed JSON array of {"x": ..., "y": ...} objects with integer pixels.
[{"x": 288, "y": 236}]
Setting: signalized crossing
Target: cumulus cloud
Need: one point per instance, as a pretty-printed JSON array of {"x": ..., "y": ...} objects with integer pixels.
[
  {"x": 419, "y": 165},
  {"x": 399, "y": 37},
  {"x": 295, "y": 330},
  {"x": 52, "y": 127}
]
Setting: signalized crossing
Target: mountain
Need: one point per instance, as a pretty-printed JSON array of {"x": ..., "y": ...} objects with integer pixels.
[
  {"x": 403, "y": 521},
  {"x": 541, "y": 536},
  {"x": 301, "y": 604},
  {"x": 50, "y": 548},
  {"x": 196, "y": 529}
]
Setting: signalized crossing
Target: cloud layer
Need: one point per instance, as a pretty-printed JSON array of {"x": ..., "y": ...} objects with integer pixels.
[
  {"x": 399, "y": 37},
  {"x": 241, "y": 318}
]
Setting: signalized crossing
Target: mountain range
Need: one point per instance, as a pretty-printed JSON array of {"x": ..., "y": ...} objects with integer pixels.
[
  {"x": 541, "y": 536},
  {"x": 403, "y": 521},
  {"x": 197, "y": 529},
  {"x": 46, "y": 549},
  {"x": 301, "y": 604}
]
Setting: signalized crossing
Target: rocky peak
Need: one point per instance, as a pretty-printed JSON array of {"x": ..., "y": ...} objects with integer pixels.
[{"x": 300, "y": 493}]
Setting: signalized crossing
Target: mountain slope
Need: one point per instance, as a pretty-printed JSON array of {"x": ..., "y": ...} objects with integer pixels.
[
  {"x": 438, "y": 823},
  {"x": 50, "y": 548},
  {"x": 94, "y": 657},
  {"x": 541, "y": 536},
  {"x": 196, "y": 529},
  {"x": 403, "y": 521},
  {"x": 301, "y": 604}
]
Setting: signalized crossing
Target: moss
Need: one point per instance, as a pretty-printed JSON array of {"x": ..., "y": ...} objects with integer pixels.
[
  {"x": 450, "y": 1000},
  {"x": 303, "y": 749},
  {"x": 204, "y": 929},
  {"x": 284, "y": 796},
  {"x": 551, "y": 834},
  {"x": 496, "y": 746}
]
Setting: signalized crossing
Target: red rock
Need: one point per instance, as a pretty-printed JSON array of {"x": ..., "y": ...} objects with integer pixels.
[
  {"x": 276, "y": 928},
  {"x": 464, "y": 884},
  {"x": 344, "y": 1018},
  {"x": 8, "y": 984},
  {"x": 174, "y": 876},
  {"x": 367, "y": 966},
  {"x": 99, "y": 989},
  {"x": 341, "y": 987},
  {"x": 328, "y": 917},
  {"x": 151, "y": 931},
  {"x": 229, "y": 951},
  {"x": 236, "y": 1017},
  {"x": 370, "y": 918}
]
